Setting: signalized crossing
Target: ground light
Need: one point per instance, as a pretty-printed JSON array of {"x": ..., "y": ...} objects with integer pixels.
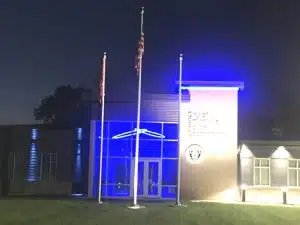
[
  {"x": 244, "y": 188},
  {"x": 284, "y": 195}
]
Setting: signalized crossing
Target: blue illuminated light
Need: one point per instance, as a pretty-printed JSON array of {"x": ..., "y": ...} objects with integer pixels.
[
  {"x": 77, "y": 175},
  {"x": 32, "y": 163},
  {"x": 78, "y": 166},
  {"x": 34, "y": 134},
  {"x": 202, "y": 88},
  {"x": 141, "y": 131},
  {"x": 79, "y": 134},
  {"x": 32, "y": 167}
]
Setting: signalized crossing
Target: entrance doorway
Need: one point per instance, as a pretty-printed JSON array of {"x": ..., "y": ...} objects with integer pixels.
[{"x": 149, "y": 178}]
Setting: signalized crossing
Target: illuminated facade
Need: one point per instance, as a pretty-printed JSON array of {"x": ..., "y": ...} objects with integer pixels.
[
  {"x": 208, "y": 143},
  {"x": 157, "y": 159},
  {"x": 208, "y": 147}
]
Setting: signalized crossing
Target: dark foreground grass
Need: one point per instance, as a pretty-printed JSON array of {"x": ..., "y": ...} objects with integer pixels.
[{"x": 65, "y": 212}]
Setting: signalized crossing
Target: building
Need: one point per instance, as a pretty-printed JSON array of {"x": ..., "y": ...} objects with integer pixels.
[
  {"x": 269, "y": 171},
  {"x": 39, "y": 160},
  {"x": 214, "y": 164}
]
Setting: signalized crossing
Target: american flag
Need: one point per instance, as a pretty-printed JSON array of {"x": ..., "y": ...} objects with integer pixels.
[
  {"x": 102, "y": 80},
  {"x": 140, "y": 53},
  {"x": 101, "y": 89}
]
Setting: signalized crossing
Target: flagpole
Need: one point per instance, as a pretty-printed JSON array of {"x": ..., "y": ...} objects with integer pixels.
[
  {"x": 179, "y": 112},
  {"x": 102, "y": 93},
  {"x": 137, "y": 140}
]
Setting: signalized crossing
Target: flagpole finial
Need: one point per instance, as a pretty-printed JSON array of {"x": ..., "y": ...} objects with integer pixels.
[
  {"x": 181, "y": 57},
  {"x": 142, "y": 12}
]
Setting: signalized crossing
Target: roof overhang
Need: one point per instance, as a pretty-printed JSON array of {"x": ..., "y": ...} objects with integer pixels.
[{"x": 188, "y": 85}]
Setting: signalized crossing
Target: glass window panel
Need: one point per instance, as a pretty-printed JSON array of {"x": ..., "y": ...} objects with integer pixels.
[
  {"x": 149, "y": 148},
  {"x": 118, "y": 190},
  {"x": 98, "y": 129},
  {"x": 256, "y": 176},
  {"x": 264, "y": 162},
  {"x": 170, "y": 131},
  {"x": 292, "y": 163},
  {"x": 44, "y": 172},
  {"x": 151, "y": 127},
  {"x": 52, "y": 166},
  {"x": 120, "y": 128},
  {"x": 96, "y": 176},
  {"x": 103, "y": 190},
  {"x": 298, "y": 163},
  {"x": 169, "y": 192},
  {"x": 170, "y": 149},
  {"x": 97, "y": 147},
  {"x": 292, "y": 177},
  {"x": 154, "y": 127},
  {"x": 169, "y": 172},
  {"x": 120, "y": 147},
  {"x": 257, "y": 162},
  {"x": 104, "y": 164},
  {"x": 96, "y": 190},
  {"x": 118, "y": 171},
  {"x": 264, "y": 176},
  {"x": 298, "y": 178}
]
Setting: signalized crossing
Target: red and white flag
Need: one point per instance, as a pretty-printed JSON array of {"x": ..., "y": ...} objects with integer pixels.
[
  {"x": 140, "y": 53},
  {"x": 102, "y": 80}
]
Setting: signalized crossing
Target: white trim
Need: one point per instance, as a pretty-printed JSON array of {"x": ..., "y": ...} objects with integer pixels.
[
  {"x": 271, "y": 143},
  {"x": 131, "y": 121},
  {"x": 261, "y": 167},
  {"x": 209, "y": 88}
]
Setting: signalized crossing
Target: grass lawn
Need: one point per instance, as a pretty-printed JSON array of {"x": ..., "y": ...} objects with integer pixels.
[{"x": 77, "y": 212}]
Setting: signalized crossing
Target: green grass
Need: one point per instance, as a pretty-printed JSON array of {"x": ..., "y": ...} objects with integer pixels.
[{"x": 65, "y": 212}]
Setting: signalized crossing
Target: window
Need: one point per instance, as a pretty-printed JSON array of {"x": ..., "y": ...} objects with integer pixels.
[
  {"x": 52, "y": 165},
  {"x": 261, "y": 172},
  {"x": 48, "y": 166},
  {"x": 294, "y": 173}
]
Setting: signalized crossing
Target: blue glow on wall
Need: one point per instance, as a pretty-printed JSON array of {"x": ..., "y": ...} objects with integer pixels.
[
  {"x": 78, "y": 172},
  {"x": 157, "y": 140},
  {"x": 34, "y": 134},
  {"x": 79, "y": 134},
  {"x": 78, "y": 164},
  {"x": 32, "y": 167}
]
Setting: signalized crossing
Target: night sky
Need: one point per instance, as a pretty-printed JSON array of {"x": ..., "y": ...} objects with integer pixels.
[{"x": 44, "y": 44}]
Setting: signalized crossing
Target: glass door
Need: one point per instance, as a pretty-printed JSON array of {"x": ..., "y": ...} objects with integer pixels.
[
  {"x": 149, "y": 178},
  {"x": 153, "y": 179},
  {"x": 141, "y": 179}
]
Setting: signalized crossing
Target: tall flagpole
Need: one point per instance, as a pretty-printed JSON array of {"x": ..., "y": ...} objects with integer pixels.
[
  {"x": 102, "y": 93},
  {"x": 137, "y": 140},
  {"x": 178, "y": 148}
]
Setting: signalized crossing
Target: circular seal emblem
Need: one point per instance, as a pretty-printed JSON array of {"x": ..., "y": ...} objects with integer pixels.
[{"x": 194, "y": 153}]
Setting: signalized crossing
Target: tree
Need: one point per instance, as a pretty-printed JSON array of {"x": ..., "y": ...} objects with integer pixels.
[{"x": 64, "y": 108}]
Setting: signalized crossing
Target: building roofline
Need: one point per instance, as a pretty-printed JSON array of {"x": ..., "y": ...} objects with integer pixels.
[
  {"x": 237, "y": 84},
  {"x": 271, "y": 142}
]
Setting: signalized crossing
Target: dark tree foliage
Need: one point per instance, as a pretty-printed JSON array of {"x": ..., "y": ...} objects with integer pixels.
[{"x": 64, "y": 108}]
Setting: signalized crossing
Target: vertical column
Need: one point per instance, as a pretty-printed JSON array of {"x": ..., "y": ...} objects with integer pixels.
[
  {"x": 32, "y": 166},
  {"x": 77, "y": 176},
  {"x": 91, "y": 159}
]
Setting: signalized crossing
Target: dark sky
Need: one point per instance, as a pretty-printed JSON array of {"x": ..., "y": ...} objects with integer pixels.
[{"x": 44, "y": 44}]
